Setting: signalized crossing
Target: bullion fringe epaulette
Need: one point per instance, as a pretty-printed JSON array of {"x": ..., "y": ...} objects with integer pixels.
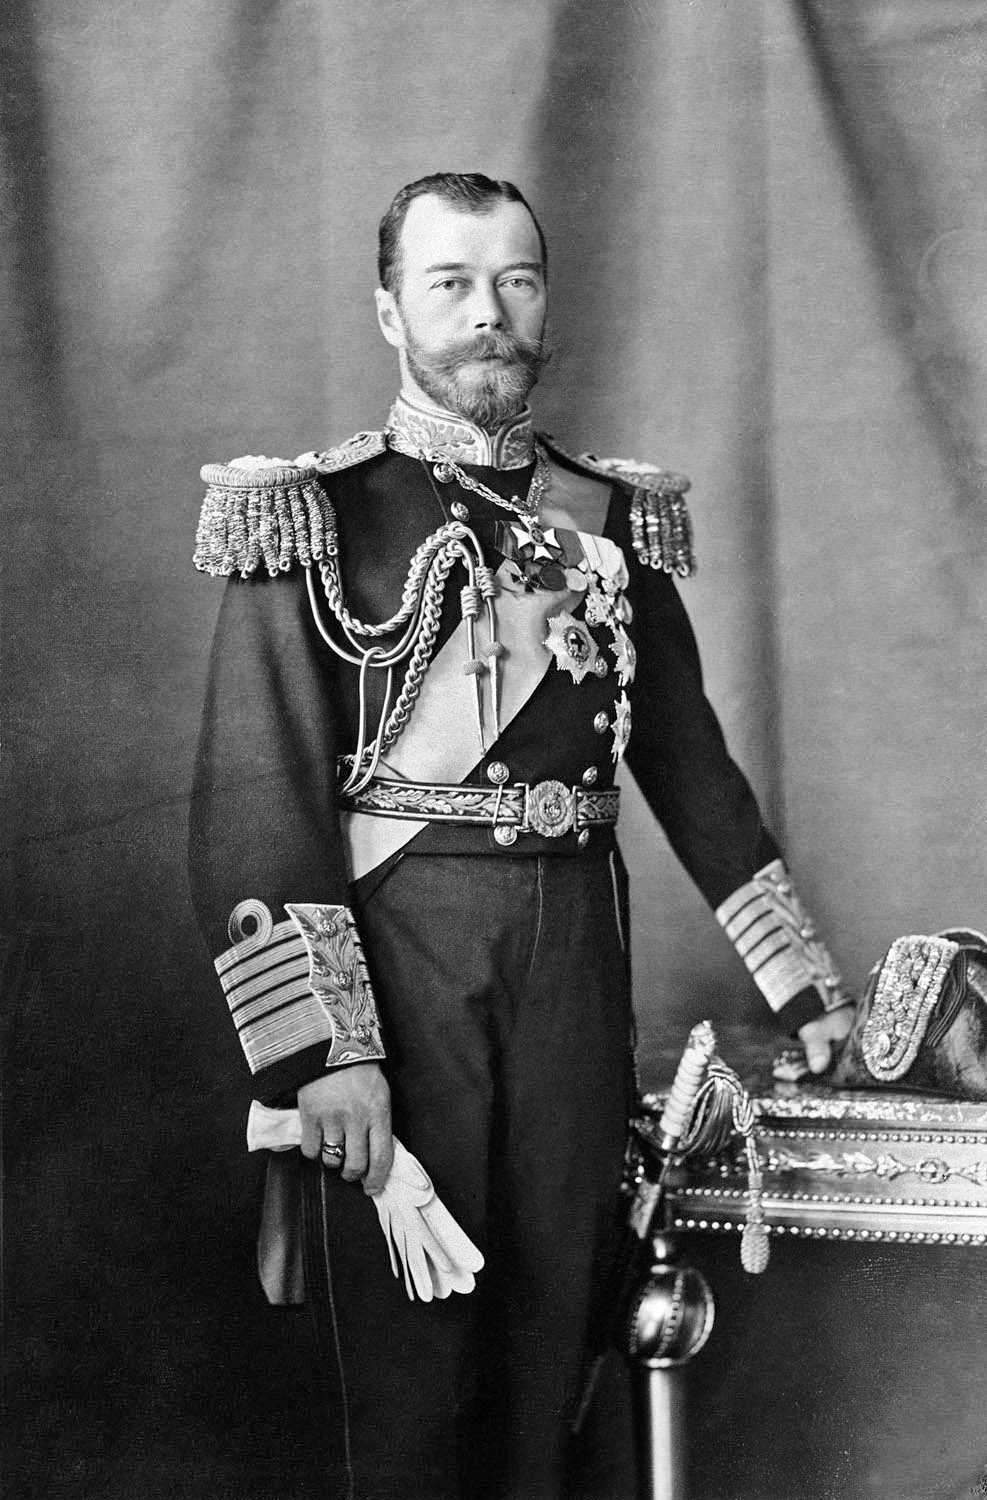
[
  {"x": 661, "y": 530},
  {"x": 271, "y": 513}
]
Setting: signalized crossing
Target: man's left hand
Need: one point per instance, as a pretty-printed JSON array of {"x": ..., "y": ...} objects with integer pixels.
[{"x": 822, "y": 1034}]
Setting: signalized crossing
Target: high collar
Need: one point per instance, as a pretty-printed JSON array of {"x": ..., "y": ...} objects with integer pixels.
[{"x": 416, "y": 429}]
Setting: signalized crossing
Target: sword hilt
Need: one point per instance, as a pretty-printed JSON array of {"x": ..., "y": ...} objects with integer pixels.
[{"x": 688, "y": 1079}]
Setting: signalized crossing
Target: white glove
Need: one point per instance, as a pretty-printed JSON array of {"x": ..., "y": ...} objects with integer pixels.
[{"x": 435, "y": 1255}]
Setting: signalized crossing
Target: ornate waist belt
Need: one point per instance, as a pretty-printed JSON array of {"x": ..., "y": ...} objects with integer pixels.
[{"x": 547, "y": 807}]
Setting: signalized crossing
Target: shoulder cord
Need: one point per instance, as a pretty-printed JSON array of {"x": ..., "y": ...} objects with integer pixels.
[{"x": 420, "y": 612}]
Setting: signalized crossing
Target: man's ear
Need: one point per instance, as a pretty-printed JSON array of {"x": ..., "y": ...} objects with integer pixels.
[{"x": 389, "y": 317}]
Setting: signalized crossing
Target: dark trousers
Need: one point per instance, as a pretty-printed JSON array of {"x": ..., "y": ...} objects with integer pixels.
[{"x": 503, "y": 988}]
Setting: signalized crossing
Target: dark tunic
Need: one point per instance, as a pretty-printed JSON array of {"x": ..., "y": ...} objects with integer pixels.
[{"x": 501, "y": 979}]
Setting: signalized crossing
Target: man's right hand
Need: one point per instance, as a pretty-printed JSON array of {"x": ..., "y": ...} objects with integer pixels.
[{"x": 351, "y": 1107}]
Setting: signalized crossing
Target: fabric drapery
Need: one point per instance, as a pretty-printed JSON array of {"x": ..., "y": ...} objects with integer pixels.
[{"x": 768, "y": 251}]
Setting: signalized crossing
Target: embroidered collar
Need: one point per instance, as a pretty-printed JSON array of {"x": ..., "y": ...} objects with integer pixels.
[{"x": 414, "y": 429}]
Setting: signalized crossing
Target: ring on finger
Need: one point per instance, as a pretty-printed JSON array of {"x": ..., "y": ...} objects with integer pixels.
[{"x": 333, "y": 1153}]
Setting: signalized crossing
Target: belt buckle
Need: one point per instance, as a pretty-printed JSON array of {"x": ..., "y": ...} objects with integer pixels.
[{"x": 550, "y": 808}]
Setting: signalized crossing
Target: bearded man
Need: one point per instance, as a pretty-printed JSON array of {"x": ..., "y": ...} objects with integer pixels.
[{"x": 404, "y": 861}]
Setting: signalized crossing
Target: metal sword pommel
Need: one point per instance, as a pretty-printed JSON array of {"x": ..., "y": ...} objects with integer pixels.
[{"x": 671, "y": 1316}]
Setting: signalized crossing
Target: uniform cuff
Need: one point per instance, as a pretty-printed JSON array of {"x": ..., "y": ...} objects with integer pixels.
[
  {"x": 298, "y": 990},
  {"x": 770, "y": 929}
]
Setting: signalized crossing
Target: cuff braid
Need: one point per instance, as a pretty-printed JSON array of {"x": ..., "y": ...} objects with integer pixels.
[
  {"x": 770, "y": 929},
  {"x": 298, "y": 983}
]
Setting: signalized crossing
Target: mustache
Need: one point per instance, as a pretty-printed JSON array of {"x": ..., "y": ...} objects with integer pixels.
[{"x": 531, "y": 354}]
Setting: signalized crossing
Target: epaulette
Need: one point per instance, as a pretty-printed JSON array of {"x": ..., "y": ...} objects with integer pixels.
[
  {"x": 266, "y": 511},
  {"x": 661, "y": 531}
]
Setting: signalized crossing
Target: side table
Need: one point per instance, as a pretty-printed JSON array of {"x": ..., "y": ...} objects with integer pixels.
[{"x": 838, "y": 1166}]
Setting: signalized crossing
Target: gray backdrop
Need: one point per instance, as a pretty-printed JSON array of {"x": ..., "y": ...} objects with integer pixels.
[{"x": 769, "y": 245}]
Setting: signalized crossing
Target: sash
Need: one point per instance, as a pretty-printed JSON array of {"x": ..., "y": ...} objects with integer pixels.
[{"x": 441, "y": 741}]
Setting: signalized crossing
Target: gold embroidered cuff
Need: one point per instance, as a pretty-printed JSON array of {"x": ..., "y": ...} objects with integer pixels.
[
  {"x": 297, "y": 983},
  {"x": 338, "y": 978},
  {"x": 771, "y": 931}
]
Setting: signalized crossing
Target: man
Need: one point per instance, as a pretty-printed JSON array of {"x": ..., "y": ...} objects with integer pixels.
[{"x": 408, "y": 747}]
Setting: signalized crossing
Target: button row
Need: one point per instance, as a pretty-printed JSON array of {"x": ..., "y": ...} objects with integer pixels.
[{"x": 498, "y": 774}]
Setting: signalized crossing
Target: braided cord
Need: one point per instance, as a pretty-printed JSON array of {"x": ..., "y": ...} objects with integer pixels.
[
  {"x": 358, "y": 650},
  {"x": 420, "y": 640},
  {"x": 420, "y": 614},
  {"x": 410, "y": 594},
  {"x": 431, "y": 616}
]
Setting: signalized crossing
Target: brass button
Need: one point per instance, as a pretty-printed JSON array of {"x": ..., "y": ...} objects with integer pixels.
[
  {"x": 600, "y": 667},
  {"x": 459, "y": 510},
  {"x": 583, "y": 838},
  {"x": 590, "y": 776},
  {"x": 505, "y": 835},
  {"x": 497, "y": 772},
  {"x": 601, "y": 723}
]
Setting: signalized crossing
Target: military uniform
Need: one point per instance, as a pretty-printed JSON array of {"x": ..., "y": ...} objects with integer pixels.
[{"x": 418, "y": 697}]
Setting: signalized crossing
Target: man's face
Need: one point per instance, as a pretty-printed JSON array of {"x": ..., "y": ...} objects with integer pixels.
[{"x": 469, "y": 312}]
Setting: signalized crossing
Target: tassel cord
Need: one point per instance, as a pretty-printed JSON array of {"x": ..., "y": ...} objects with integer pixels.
[
  {"x": 495, "y": 650},
  {"x": 430, "y": 619},
  {"x": 471, "y": 603},
  {"x": 423, "y": 648},
  {"x": 723, "y": 1108},
  {"x": 421, "y": 614}
]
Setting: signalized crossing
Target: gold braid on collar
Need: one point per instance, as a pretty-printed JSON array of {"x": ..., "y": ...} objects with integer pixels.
[{"x": 421, "y": 431}]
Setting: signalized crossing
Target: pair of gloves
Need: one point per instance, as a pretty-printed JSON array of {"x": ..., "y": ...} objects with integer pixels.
[{"x": 435, "y": 1256}]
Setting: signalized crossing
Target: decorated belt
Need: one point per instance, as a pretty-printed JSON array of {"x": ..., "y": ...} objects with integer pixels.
[{"x": 547, "y": 807}]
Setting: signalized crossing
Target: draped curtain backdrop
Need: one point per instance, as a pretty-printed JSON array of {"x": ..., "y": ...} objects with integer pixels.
[{"x": 768, "y": 241}]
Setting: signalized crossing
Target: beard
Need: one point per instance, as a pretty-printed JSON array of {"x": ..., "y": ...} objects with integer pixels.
[{"x": 487, "y": 394}]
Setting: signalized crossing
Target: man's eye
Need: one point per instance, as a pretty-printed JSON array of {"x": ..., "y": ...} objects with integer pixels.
[
  {"x": 448, "y": 285},
  {"x": 515, "y": 282}
]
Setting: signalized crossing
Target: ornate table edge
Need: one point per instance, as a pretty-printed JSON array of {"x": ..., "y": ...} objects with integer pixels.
[{"x": 829, "y": 1158}]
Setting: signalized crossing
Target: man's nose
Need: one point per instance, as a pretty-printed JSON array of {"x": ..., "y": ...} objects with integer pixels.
[{"x": 487, "y": 310}]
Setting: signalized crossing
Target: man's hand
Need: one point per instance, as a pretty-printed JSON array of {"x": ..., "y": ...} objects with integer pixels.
[
  {"x": 351, "y": 1107},
  {"x": 819, "y": 1036}
]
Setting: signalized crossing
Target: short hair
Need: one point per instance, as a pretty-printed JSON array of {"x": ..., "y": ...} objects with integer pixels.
[{"x": 471, "y": 192}]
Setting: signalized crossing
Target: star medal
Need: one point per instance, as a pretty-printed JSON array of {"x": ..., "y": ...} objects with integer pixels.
[
  {"x": 571, "y": 644},
  {"x": 621, "y": 726}
]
